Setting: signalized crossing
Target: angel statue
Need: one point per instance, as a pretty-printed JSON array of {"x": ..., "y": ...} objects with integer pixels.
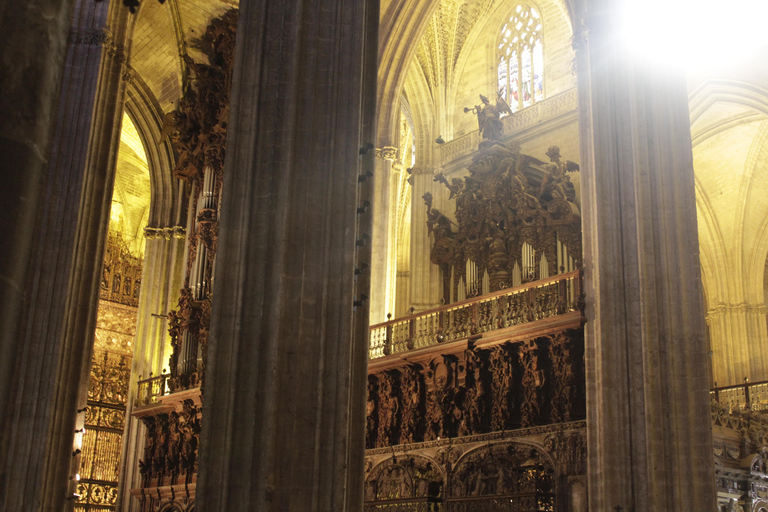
[{"x": 489, "y": 117}]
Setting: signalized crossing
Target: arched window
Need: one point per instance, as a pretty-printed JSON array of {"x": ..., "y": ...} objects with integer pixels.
[{"x": 521, "y": 65}]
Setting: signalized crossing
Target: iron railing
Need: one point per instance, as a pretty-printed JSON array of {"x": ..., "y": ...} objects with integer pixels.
[
  {"x": 151, "y": 389},
  {"x": 530, "y": 302},
  {"x": 742, "y": 397}
]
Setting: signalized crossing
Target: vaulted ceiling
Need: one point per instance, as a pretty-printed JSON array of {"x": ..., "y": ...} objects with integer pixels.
[
  {"x": 445, "y": 36},
  {"x": 163, "y": 33}
]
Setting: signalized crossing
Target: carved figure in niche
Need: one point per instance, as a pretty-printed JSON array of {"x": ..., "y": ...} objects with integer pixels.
[
  {"x": 147, "y": 463},
  {"x": 389, "y": 411},
  {"x": 409, "y": 477},
  {"x": 394, "y": 483},
  {"x": 437, "y": 402},
  {"x": 172, "y": 458},
  {"x": 533, "y": 381},
  {"x": 371, "y": 413},
  {"x": 502, "y": 389},
  {"x": 412, "y": 390},
  {"x": 440, "y": 402},
  {"x": 127, "y": 287},
  {"x": 116, "y": 283},
  {"x": 489, "y": 117},
  {"x": 460, "y": 420},
  {"x": 160, "y": 446},
  {"x": 476, "y": 397},
  {"x": 189, "y": 428},
  {"x": 105, "y": 278},
  {"x": 567, "y": 400}
]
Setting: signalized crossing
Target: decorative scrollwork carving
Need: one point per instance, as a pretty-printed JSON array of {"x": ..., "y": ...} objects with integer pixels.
[
  {"x": 171, "y": 448},
  {"x": 198, "y": 132},
  {"x": 389, "y": 409},
  {"x": 400, "y": 478},
  {"x": 504, "y": 387},
  {"x": 509, "y": 469},
  {"x": 121, "y": 276},
  {"x": 567, "y": 355}
]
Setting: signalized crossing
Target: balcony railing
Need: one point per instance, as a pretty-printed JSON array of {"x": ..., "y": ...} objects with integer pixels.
[
  {"x": 151, "y": 389},
  {"x": 742, "y": 397},
  {"x": 534, "y": 115},
  {"x": 424, "y": 504},
  {"x": 530, "y": 302}
]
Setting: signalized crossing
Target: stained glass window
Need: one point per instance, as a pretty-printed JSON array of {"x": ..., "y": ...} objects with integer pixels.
[{"x": 521, "y": 58}]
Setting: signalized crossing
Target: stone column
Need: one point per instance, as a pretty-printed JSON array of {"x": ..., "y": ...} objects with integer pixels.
[
  {"x": 33, "y": 39},
  {"x": 56, "y": 339},
  {"x": 87, "y": 148},
  {"x": 162, "y": 277},
  {"x": 284, "y": 394},
  {"x": 398, "y": 286},
  {"x": 649, "y": 433},
  {"x": 384, "y": 229},
  {"x": 426, "y": 278}
]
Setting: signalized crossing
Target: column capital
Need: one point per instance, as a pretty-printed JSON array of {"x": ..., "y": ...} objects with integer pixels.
[
  {"x": 387, "y": 153},
  {"x": 130, "y": 75}
]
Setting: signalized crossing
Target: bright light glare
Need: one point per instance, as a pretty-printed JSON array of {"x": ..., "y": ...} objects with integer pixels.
[{"x": 694, "y": 33}]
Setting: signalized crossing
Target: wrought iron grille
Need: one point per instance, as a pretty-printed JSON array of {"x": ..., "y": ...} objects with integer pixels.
[{"x": 102, "y": 439}]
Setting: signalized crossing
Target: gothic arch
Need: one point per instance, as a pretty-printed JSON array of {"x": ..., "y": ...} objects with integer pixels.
[
  {"x": 729, "y": 129},
  {"x": 498, "y": 469},
  {"x": 166, "y": 207},
  {"x": 406, "y": 476},
  {"x": 402, "y": 25}
]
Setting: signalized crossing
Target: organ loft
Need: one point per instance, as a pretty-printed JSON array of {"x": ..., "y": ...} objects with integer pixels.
[{"x": 383, "y": 256}]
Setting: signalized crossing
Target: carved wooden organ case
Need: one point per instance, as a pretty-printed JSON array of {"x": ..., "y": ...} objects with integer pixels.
[
  {"x": 517, "y": 220},
  {"x": 198, "y": 130},
  {"x": 199, "y": 133},
  {"x": 489, "y": 416}
]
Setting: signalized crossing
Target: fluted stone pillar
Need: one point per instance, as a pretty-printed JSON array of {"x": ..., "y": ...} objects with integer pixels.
[
  {"x": 86, "y": 150},
  {"x": 426, "y": 278},
  {"x": 55, "y": 340},
  {"x": 284, "y": 393},
  {"x": 162, "y": 277},
  {"x": 33, "y": 39},
  {"x": 649, "y": 433},
  {"x": 384, "y": 233},
  {"x": 398, "y": 285}
]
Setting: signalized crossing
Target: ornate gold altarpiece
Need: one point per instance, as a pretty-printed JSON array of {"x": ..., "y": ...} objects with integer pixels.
[{"x": 104, "y": 414}]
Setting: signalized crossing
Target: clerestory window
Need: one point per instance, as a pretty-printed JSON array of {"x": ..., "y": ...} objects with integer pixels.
[{"x": 521, "y": 65}]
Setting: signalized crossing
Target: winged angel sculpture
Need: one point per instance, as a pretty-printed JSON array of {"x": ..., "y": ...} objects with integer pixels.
[{"x": 489, "y": 117}]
